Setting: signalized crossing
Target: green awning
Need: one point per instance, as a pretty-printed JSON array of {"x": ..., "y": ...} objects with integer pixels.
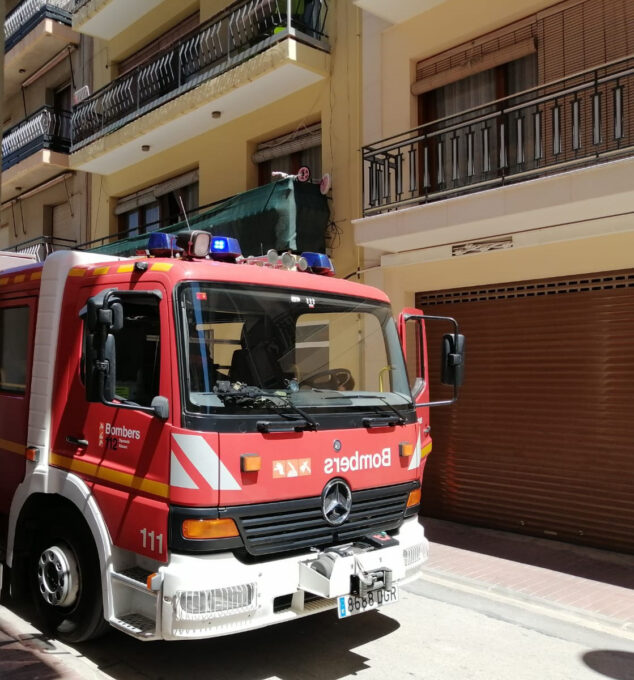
[{"x": 283, "y": 215}]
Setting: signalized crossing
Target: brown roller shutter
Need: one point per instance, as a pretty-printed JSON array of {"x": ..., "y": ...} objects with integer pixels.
[{"x": 542, "y": 438}]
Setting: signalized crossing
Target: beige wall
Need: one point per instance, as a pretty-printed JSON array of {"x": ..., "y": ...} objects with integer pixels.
[{"x": 600, "y": 253}]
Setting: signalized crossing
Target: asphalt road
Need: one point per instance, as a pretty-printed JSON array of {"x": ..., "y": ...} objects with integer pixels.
[{"x": 430, "y": 633}]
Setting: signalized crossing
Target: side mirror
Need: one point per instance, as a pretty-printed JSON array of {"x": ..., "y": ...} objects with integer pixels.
[
  {"x": 452, "y": 367},
  {"x": 161, "y": 406},
  {"x": 100, "y": 373}
]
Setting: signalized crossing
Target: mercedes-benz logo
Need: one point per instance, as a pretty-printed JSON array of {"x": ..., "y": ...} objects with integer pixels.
[{"x": 336, "y": 501}]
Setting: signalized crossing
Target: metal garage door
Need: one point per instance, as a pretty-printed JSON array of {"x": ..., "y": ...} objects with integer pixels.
[{"x": 542, "y": 439}]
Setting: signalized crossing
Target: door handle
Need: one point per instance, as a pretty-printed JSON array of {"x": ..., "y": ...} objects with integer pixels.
[{"x": 78, "y": 442}]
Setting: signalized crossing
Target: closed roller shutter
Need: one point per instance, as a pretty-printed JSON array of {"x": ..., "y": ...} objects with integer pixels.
[{"x": 542, "y": 438}]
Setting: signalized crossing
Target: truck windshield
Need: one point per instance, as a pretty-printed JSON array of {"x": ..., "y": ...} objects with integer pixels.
[{"x": 270, "y": 350}]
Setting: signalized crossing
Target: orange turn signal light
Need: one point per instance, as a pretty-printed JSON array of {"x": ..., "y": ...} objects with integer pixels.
[
  {"x": 32, "y": 453},
  {"x": 405, "y": 449},
  {"x": 250, "y": 462},
  {"x": 414, "y": 498},
  {"x": 209, "y": 528}
]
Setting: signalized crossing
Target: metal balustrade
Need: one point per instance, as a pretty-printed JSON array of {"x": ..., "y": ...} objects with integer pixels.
[
  {"x": 41, "y": 246},
  {"x": 580, "y": 120},
  {"x": 29, "y": 13},
  {"x": 45, "y": 129},
  {"x": 228, "y": 39}
]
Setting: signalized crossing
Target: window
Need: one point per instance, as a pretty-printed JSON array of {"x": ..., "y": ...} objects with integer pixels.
[
  {"x": 475, "y": 145},
  {"x": 247, "y": 349},
  {"x": 14, "y": 339},
  {"x": 288, "y": 153},
  {"x": 158, "y": 206},
  {"x": 138, "y": 352}
]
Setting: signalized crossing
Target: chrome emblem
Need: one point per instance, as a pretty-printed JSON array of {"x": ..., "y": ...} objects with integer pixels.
[{"x": 336, "y": 502}]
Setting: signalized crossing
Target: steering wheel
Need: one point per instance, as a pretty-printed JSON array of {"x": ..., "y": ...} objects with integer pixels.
[{"x": 332, "y": 379}]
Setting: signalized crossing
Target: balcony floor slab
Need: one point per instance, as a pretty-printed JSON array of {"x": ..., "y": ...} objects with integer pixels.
[
  {"x": 35, "y": 49},
  {"x": 106, "y": 18},
  {"x": 557, "y": 201},
  {"x": 39, "y": 167},
  {"x": 265, "y": 78}
]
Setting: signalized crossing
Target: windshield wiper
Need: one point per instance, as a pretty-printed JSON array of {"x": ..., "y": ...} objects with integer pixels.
[
  {"x": 387, "y": 421},
  {"x": 244, "y": 394}
]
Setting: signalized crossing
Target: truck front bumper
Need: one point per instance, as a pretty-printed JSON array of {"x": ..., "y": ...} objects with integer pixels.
[{"x": 211, "y": 595}]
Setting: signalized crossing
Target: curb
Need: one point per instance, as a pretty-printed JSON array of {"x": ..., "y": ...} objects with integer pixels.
[{"x": 537, "y": 606}]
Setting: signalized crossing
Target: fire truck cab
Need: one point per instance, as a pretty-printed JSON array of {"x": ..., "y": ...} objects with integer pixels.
[{"x": 191, "y": 447}]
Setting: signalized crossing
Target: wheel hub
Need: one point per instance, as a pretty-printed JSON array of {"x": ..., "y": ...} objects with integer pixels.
[{"x": 58, "y": 576}]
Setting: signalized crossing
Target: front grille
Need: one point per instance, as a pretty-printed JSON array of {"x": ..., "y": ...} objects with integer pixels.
[{"x": 296, "y": 524}]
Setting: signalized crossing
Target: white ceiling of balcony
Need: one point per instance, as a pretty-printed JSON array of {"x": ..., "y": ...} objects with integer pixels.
[
  {"x": 396, "y": 11},
  {"x": 251, "y": 96},
  {"x": 107, "y": 18}
]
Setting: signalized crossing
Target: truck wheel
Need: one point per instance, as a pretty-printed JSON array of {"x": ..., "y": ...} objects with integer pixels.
[{"x": 66, "y": 581}]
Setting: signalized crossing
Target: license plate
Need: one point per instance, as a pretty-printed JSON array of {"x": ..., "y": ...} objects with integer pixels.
[{"x": 349, "y": 605}]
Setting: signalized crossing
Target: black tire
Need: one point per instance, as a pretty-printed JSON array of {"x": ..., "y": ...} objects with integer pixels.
[{"x": 79, "y": 617}]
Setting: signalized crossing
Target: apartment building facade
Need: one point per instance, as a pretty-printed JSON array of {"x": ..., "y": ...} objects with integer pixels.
[
  {"x": 497, "y": 159},
  {"x": 43, "y": 201},
  {"x": 189, "y": 104}
]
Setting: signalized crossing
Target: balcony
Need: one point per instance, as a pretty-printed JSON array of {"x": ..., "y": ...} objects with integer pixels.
[
  {"x": 106, "y": 18},
  {"x": 35, "y": 32},
  {"x": 35, "y": 150},
  {"x": 505, "y": 167},
  {"x": 41, "y": 247},
  {"x": 578, "y": 121},
  {"x": 242, "y": 59}
]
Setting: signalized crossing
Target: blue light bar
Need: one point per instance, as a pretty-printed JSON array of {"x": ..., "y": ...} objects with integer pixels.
[
  {"x": 319, "y": 263},
  {"x": 162, "y": 245},
  {"x": 224, "y": 249}
]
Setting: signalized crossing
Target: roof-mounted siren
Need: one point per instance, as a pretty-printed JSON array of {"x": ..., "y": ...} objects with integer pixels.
[
  {"x": 195, "y": 244},
  {"x": 224, "y": 249},
  {"x": 162, "y": 245},
  {"x": 319, "y": 263}
]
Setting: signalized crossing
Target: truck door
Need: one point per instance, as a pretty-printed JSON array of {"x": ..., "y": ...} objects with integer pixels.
[
  {"x": 17, "y": 327},
  {"x": 124, "y": 452}
]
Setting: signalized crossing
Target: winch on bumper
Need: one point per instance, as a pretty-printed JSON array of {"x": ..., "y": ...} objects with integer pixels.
[{"x": 211, "y": 595}]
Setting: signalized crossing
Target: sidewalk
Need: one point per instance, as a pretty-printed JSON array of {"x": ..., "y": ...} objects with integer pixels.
[{"x": 594, "y": 588}]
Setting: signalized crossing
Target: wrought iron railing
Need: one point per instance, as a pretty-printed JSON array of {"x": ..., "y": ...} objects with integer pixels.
[
  {"x": 228, "y": 39},
  {"x": 29, "y": 13},
  {"x": 41, "y": 246},
  {"x": 45, "y": 129},
  {"x": 582, "y": 119}
]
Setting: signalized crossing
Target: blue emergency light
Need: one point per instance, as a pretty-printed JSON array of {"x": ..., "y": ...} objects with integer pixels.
[
  {"x": 224, "y": 249},
  {"x": 162, "y": 245},
  {"x": 319, "y": 263}
]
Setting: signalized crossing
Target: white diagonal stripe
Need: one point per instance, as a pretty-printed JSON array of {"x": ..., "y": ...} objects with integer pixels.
[
  {"x": 207, "y": 462},
  {"x": 179, "y": 476},
  {"x": 415, "y": 462}
]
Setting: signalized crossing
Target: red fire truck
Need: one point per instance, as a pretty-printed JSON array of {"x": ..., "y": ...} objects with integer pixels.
[{"x": 193, "y": 445}]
